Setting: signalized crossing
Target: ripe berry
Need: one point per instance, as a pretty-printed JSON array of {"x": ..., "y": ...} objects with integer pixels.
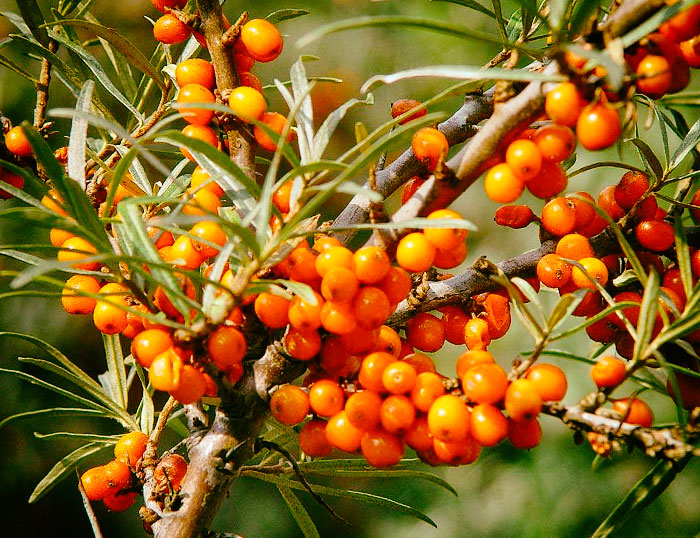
[
  {"x": 598, "y": 127},
  {"x": 559, "y": 216},
  {"x": 396, "y": 285},
  {"x": 195, "y": 93},
  {"x": 334, "y": 257},
  {"x": 399, "y": 377},
  {"x": 261, "y": 39},
  {"x": 131, "y": 447},
  {"x": 302, "y": 345},
  {"x": 277, "y": 123},
  {"x": 476, "y": 334},
  {"x": 553, "y": 271},
  {"x": 514, "y": 216},
  {"x": 524, "y": 434},
  {"x": 485, "y": 383},
  {"x": 191, "y": 387},
  {"x": 339, "y": 284},
  {"x": 425, "y": 332},
  {"x": 388, "y": 341},
  {"x": 635, "y": 411},
  {"x": 170, "y": 30},
  {"x": 549, "y": 381},
  {"x": 363, "y": 409},
  {"x": 654, "y": 76},
  {"x": 418, "y": 435},
  {"x": 410, "y": 188},
  {"x": 72, "y": 300},
  {"x": 631, "y": 187},
  {"x": 372, "y": 369},
  {"x": 76, "y": 249},
  {"x": 448, "y": 419},
  {"x": 563, "y": 104},
  {"x": 656, "y": 235},
  {"x": 247, "y": 103},
  {"x": 427, "y": 388},
  {"x": 117, "y": 475},
  {"x": 471, "y": 358},
  {"x": 148, "y": 344},
  {"x": 195, "y": 71},
  {"x": 95, "y": 484},
  {"x": 594, "y": 270},
  {"x": 17, "y": 142},
  {"x": 312, "y": 439},
  {"x": 199, "y": 132},
  {"x": 522, "y": 400},
  {"x": 226, "y": 347},
  {"x": 608, "y": 372},
  {"x": 338, "y": 317},
  {"x": 381, "y": 448},
  {"x": 488, "y": 425},
  {"x": 454, "y": 319},
  {"x": 574, "y": 247},
  {"x": 461, "y": 452},
  {"x": 555, "y": 142},
  {"x": 371, "y": 264},
  {"x": 451, "y": 257},
  {"x": 326, "y": 398},
  {"x": 445, "y": 238},
  {"x": 109, "y": 318},
  {"x": 272, "y": 310},
  {"x": 524, "y": 159},
  {"x": 415, "y": 253},
  {"x": 341, "y": 433},
  {"x": 16, "y": 181},
  {"x": 429, "y": 146},
  {"x": 160, "y": 5},
  {"x": 550, "y": 181},
  {"x": 402, "y": 106},
  {"x": 502, "y": 185},
  {"x": 170, "y": 472}
]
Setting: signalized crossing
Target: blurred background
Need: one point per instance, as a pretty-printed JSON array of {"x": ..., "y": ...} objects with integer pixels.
[{"x": 555, "y": 490}]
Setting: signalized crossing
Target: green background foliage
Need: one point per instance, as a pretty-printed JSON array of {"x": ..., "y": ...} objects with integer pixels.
[{"x": 558, "y": 489}]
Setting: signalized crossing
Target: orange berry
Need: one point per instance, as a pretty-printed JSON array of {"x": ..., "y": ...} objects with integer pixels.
[
  {"x": 654, "y": 76},
  {"x": 109, "y": 318},
  {"x": 421, "y": 363},
  {"x": 397, "y": 414},
  {"x": 427, "y": 388},
  {"x": 117, "y": 475},
  {"x": 304, "y": 315},
  {"x": 170, "y": 472},
  {"x": 326, "y": 398},
  {"x": 502, "y": 185},
  {"x": 549, "y": 381},
  {"x": 402, "y": 106},
  {"x": 514, "y": 216},
  {"x": 312, "y": 439},
  {"x": 95, "y": 484},
  {"x": 429, "y": 146},
  {"x": 656, "y": 235},
  {"x": 608, "y": 372},
  {"x": 339, "y": 284},
  {"x": 72, "y": 300},
  {"x": 334, "y": 257},
  {"x": 522, "y": 400},
  {"x": 302, "y": 345},
  {"x": 17, "y": 181},
  {"x": 119, "y": 500},
  {"x": 448, "y": 419},
  {"x": 148, "y": 344},
  {"x": 289, "y": 404},
  {"x": 130, "y": 448},
  {"x": 170, "y": 30},
  {"x": 461, "y": 452},
  {"x": 524, "y": 434},
  {"x": 372, "y": 369},
  {"x": 184, "y": 254},
  {"x": 488, "y": 426},
  {"x": 201, "y": 179},
  {"x": 370, "y": 307},
  {"x": 399, "y": 377},
  {"x": 371, "y": 264},
  {"x": 276, "y": 122},
  {"x": 553, "y": 271},
  {"x": 381, "y": 448},
  {"x": 272, "y": 310},
  {"x": 559, "y": 216},
  {"x": 454, "y": 319},
  {"x": 450, "y": 258},
  {"x": 476, "y": 334},
  {"x": 247, "y": 103},
  {"x": 301, "y": 264},
  {"x": 598, "y": 127},
  {"x": 324, "y": 242},
  {"x": 341, "y": 433},
  {"x": 388, "y": 341},
  {"x": 199, "y": 132},
  {"x": 635, "y": 411},
  {"x": 415, "y": 253},
  {"x": 195, "y": 93},
  {"x": 425, "y": 332},
  {"x": 631, "y": 187},
  {"x": 410, "y": 188},
  {"x": 594, "y": 268},
  {"x": 261, "y": 39},
  {"x": 191, "y": 387},
  {"x": 160, "y": 5},
  {"x": 524, "y": 159},
  {"x": 418, "y": 436},
  {"x": 471, "y": 358},
  {"x": 338, "y": 318},
  {"x": 396, "y": 285},
  {"x": 210, "y": 232},
  {"x": 76, "y": 249},
  {"x": 555, "y": 142},
  {"x": 485, "y": 383},
  {"x": 226, "y": 347},
  {"x": 246, "y": 78},
  {"x": 574, "y": 247},
  {"x": 444, "y": 238},
  {"x": 164, "y": 372},
  {"x": 17, "y": 142},
  {"x": 549, "y": 182},
  {"x": 563, "y": 104},
  {"x": 195, "y": 71},
  {"x": 363, "y": 409}
]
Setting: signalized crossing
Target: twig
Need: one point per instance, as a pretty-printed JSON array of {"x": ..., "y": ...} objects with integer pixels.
[
  {"x": 88, "y": 509},
  {"x": 42, "y": 89}
]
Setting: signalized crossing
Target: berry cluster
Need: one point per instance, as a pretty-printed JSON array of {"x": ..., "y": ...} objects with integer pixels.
[{"x": 118, "y": 482}]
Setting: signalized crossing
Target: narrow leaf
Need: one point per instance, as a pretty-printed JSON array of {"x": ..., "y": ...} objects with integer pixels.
[
  {"x": 65, "y": 467},
  {"x": 686, "y": 146},
  {"x": 299, "y": 513},
  {"x": 31, "y": 13},
  {"x": 116, "y": 369},
  {"x": 329, "y": 125},
  {"x": 471, "y": 4},
  {"x": 649, "y": 156},
  {"x": 647, "y": 315},
  {"x": 53, "y": 413},
  {"x": 286, "y": 14},
  {"x": 78, "y": 136}
]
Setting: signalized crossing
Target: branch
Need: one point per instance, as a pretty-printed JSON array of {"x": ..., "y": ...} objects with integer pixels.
[{"x": 42, "y": 89}]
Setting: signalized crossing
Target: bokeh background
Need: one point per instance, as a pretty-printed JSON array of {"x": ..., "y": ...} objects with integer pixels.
[{"x": 555, "y": 490}]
